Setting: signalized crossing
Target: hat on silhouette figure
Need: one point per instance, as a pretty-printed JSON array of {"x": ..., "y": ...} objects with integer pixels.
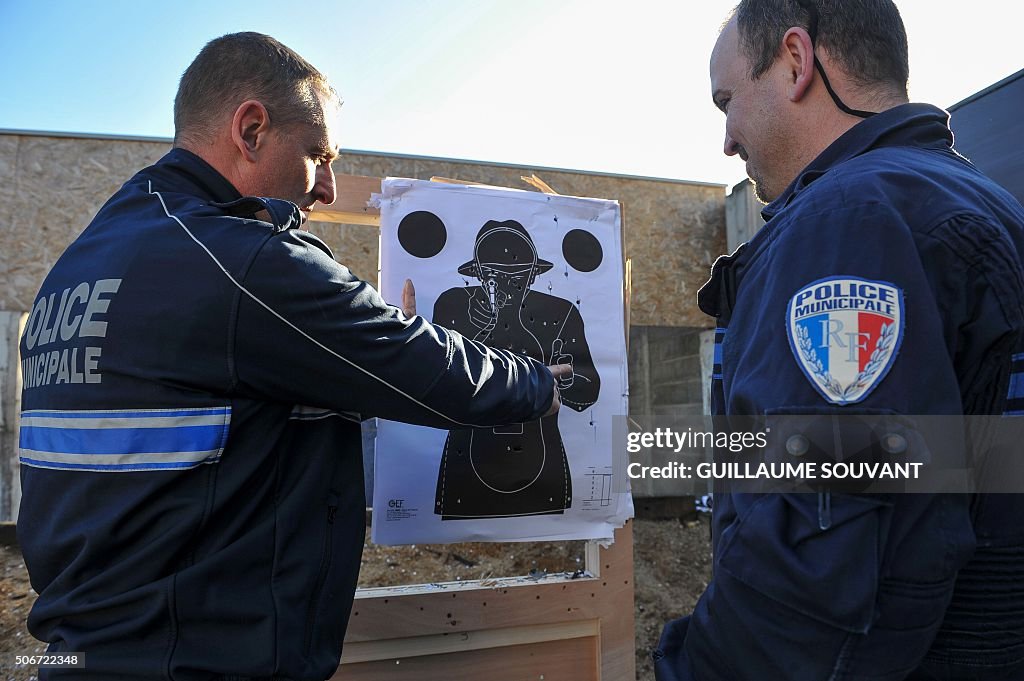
[{"x": 504, "y": 247}]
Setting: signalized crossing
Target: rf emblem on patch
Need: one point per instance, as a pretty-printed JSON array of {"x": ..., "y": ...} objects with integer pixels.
[{"x": 845, "y": 333}]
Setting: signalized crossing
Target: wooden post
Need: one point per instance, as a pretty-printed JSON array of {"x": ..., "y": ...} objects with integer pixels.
[
  {"x": 11, "y": 325},
  {"x": 707, "y": 363},
  {"x": 353, "y": 203},
  {"x": 742, "y": 215}
]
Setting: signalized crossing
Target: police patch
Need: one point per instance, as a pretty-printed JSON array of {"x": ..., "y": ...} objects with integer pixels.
[{"x": 845, "y": 333}]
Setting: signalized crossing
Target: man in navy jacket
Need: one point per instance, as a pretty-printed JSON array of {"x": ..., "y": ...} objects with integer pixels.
[
  {"x": 195, "y": 370},
  {"x": 887, "y": 280}
]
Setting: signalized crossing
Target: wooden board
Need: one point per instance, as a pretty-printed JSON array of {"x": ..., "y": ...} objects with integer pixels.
[
  {"x": 393, "y": 626},
  {"x": 571, "y": 660},
  {"x": 352, "y": 205}
]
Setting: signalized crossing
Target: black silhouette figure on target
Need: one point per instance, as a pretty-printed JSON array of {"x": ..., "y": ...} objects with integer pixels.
[{"x": 521, "y": 468}]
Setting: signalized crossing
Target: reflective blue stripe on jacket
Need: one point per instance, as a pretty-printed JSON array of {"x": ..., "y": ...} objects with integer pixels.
[
  {"x": 901, "y": 586},
  {"x": 192, "y": 476}
]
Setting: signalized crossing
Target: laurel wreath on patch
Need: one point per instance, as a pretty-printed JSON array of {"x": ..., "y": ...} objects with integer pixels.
[{"x": 886, "y": 338}]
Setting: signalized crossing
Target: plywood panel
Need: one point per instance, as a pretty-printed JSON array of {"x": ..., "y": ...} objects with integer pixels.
[
  {"x": 50, "y": 187},
  {"x": 57, "y": 186}
]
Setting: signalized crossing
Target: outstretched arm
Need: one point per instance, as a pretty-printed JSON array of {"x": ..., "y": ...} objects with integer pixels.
[{"x": 309, "y": 332}]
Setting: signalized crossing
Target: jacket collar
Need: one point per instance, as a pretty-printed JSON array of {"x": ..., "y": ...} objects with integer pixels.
[
  {"x": 917, "y": 125},
  {"x": 203, "y": 178},
  {"x": 205, "y": 181}
]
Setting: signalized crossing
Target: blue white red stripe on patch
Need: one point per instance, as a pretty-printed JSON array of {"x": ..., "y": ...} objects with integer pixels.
[{"x": 845, "y": 333}]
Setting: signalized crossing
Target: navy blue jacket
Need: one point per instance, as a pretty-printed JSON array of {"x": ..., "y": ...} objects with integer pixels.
[
  {"x": 194, "y": 378},
  {"x": 885, "y": 586}
]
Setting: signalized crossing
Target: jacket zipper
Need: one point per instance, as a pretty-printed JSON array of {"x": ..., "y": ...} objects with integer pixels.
[{"x": 325, "y": 563}]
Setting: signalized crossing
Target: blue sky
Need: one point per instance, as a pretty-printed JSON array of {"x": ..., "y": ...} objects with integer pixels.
[{"x": 600, "y": 85}]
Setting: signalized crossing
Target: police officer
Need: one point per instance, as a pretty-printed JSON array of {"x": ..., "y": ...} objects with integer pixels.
[
  {"x": 869, "y": 207},
  {"x": 196, "y": 370}
]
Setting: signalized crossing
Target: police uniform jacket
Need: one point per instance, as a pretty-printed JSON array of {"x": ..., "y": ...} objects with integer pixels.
[
  {"x": 191, "y": 464},
  {"x": 831, "y": 586}
]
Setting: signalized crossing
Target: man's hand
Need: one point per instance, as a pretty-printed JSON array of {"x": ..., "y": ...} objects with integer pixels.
[
  {"x": 558, "y": 371},
  {"x": 409, "y": 298}
]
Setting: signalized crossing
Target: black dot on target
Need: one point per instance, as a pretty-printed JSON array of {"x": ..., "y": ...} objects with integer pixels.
[
  {"x": 582, "y": 250},
  {"x": 422, "y": 234}
]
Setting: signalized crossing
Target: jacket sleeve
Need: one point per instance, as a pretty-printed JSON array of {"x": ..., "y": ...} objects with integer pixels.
[{"x": 309, "y": 332}]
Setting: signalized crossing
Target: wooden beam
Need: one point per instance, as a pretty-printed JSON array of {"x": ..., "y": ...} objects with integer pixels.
[
  {"x": 575, "y": 659},
  {"x": 540, "y": 184},
  {"x": 352, "y": 205},
  {"x": 456, "y": 180},
  {"x": 438, "y": 644}
]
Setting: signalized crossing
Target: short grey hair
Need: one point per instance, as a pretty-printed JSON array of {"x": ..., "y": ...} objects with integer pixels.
[
  {"x": 866, "y": 37},
  {"x": 241, "y": 66}
]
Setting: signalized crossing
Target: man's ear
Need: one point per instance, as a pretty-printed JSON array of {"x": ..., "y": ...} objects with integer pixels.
[
  {"x": 249, "y": 127},
  {"x": 798, "y": 59}
]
